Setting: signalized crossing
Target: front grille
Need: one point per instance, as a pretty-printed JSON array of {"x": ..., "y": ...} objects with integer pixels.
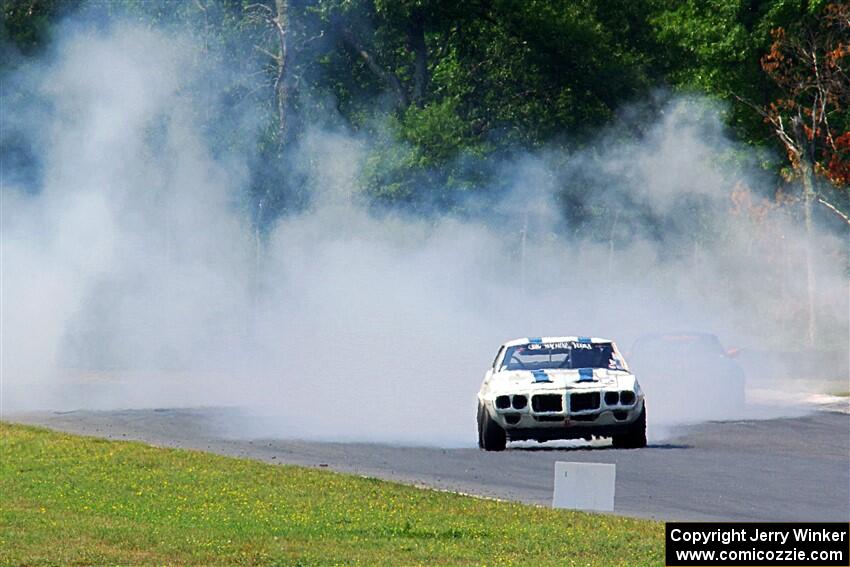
[
  {"x": 547, "y": 402},
  {"x": 584, "y": 402},
  {"x": 549, "y": 417},
  {"x": 589, "y": 417}
]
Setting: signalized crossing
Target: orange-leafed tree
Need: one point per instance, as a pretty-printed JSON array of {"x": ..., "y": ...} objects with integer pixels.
[{"x": 809, "y": 64}]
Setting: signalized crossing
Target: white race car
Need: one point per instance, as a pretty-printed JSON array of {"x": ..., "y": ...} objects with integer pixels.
[{"x": 560, "y": 388}]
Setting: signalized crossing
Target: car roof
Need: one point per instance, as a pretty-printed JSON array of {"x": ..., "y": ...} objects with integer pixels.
[
  {"x": 676, "y": 334},
  {"x": 562, "y": 339}
]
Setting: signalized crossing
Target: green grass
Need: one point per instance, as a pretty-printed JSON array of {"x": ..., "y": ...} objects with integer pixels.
[{"x": 71, "y": 500}]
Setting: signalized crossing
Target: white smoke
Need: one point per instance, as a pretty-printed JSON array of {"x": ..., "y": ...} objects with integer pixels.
[{"x": 131, "y": 278}]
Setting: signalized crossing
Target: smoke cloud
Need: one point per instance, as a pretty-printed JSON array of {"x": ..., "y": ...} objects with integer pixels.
[{"x": 133, "y": 277}]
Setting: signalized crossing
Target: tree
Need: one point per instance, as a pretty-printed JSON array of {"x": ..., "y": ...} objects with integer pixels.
[
  {"x": 715, "y": 46},
  {"x": 810, "y": 116},
  {"x": 27, "y": 24},
  {"x": 276, "y": 18},
  {"x": 457, "y": 81},
  {"x": 810, "y": 66}
]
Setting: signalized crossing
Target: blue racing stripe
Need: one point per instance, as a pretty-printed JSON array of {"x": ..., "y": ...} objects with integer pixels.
[
  {"x": 535, "y": 341},
  {"x": 584, "y": 340},
  {"x": 585, "y": 375},
  {"x": 540, "y": 376}
]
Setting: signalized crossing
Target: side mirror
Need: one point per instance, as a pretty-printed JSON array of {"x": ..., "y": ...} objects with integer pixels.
[{"x": 733, "y": 352}]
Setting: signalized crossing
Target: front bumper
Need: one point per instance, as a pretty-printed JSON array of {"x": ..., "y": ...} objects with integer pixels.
[{"x": 565, "y": 414}]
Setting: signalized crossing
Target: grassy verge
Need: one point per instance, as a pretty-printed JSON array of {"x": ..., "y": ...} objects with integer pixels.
[{"x": 67, "y": 500}]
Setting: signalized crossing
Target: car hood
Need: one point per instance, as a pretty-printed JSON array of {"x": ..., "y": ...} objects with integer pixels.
[{"x": 564, "y": 378}]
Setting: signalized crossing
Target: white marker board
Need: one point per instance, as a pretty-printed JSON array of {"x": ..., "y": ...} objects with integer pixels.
[{"x": 584, "y": 486}]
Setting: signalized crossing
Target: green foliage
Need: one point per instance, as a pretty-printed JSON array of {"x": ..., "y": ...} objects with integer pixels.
[
  {"x": 449, "y": 82},
  {"x": 26, "y": 24},
  {"x": 500, "y": 76},
  {"x": 423, "y": 157},
  {"x": 719, "y": 45}
]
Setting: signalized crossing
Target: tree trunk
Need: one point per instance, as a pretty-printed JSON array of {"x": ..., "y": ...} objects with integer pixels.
[
  {"x": 416, "y": 41},
  {"x": 806, "y": 175},
  {"x": 402, "y": 100},
  {"x": 522, "y": 241},
  {"x": 611, "y": 245},
  {"x": 281, "y": 83}
]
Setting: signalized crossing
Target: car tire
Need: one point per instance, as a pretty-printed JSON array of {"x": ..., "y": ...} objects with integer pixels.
[
  {"x": 635, "y": 436},
  {"x": 493, "y": 437},
  {"x": 480, "y": 422}
]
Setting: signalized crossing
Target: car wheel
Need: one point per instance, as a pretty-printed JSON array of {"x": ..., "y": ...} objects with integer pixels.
[
  {"x": 480, "y": 420},
  {"x": 635, "y": 436},
  {"x": 493, "y": 437}
]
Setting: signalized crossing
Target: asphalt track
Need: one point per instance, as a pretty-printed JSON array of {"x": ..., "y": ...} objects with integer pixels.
[{"x": 789, "y": 469}]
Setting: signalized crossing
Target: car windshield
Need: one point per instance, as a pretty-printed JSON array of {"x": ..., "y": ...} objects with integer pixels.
[{"x": 570, "y": 354}]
